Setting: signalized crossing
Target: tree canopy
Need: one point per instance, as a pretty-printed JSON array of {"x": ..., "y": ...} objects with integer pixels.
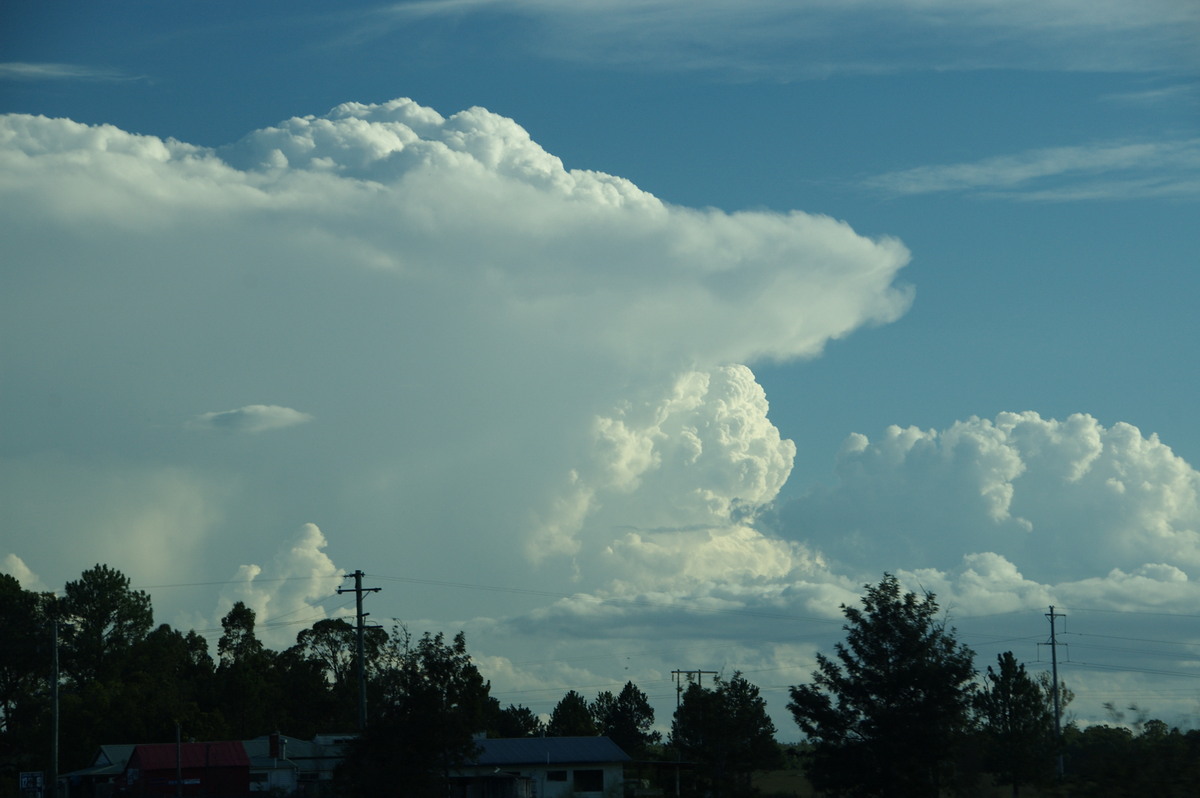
[
  {"x": 1017, "y": 725},
  {"x": 433, "y": 702},
  {"x": 103, "y": 617},
  {"x": 885, "y": 715},
  {"x": 627, "y": 719},
  {"x": 571, "y": 717},
  {"x": 726, "y": 733}
]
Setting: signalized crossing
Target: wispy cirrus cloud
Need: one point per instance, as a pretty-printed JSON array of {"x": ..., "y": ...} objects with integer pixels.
[
  {"x": 817, "y": 38},
  {"x": 20, "y": 70},
  {"x": 1106, "y": 170},
  {"x": 1158, "y": 95}
]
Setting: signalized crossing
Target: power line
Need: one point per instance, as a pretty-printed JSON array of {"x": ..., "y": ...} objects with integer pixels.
[
  {"x": 254, "y": 581},
  {"x": 1138, "y": 612},
  {"x": 638, "y": 602}
]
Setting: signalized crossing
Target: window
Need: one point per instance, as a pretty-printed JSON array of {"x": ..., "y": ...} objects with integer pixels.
[
  {"x": 556, "y": 775},
  {"x": 589, "y": 781}
]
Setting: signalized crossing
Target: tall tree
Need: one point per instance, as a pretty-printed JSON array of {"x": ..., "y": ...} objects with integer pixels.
[
  {"x": 25, "y": 646},
  {"x": 238, "y": 642},
  {"x": 175, "y": 673},
  {"x": 1017, "y": 725},
  {"x": 332, "y": 642},
  {"x": 515, "y": 720},
  {"x": 23, "y": 660},
  {"x": 885, "y": 717},
  {"x": 434, "y": 701},
  {"x": 627, "y": 719},
  {"x": 248, "y": 700},
  {"x": 726, "y": 733},
  {"x": 332, "y": 645},
  {"x": 571, "y": 717},
  {"x": 103, "y": 618}
]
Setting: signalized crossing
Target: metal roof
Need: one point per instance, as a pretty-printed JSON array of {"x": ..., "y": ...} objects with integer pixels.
[
  {"x": 548, "y": 751},
  {"x": 165, "y": 756}
]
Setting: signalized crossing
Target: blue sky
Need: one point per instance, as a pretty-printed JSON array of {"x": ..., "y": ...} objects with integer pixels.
[{"x": 516, "y": 362}]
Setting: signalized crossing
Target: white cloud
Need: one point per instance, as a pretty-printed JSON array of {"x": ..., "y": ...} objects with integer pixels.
[
  {"x": 684, "y": 470},
  {"x": 464, "y": 315},
  {"x": 1065, "y": 500},
  {"x": 251, "y": 418},
  {"x": 287, "y": 594},
  {"x": 816, "y": 38},
  {"x": 511, "y": 362},
  {"x": 1111, "y": 170},
  {"x": 18, "y": 70},
  {"x": 15, "y": 567}
]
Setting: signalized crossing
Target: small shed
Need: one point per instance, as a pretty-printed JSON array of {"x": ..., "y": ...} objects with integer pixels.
[
  {"x": 97, "y": 780},
  {"x": 214, "y": 770}
]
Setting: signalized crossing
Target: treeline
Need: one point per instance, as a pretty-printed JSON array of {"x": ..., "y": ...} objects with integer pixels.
[
  {"x": 898, "y": 709},
  {"x": 124, "y": 680}
]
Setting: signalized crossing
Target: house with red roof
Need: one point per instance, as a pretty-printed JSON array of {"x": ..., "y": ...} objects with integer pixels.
[{"x": 214, "y": 770}]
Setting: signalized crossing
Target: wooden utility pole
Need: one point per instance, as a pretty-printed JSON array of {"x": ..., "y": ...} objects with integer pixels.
[
  {"x": 54, "y": 676},
  {"x": 358, "y": 591},
  {"x": 679, "y": 674},
  {"x": 1054, "y": 675}
]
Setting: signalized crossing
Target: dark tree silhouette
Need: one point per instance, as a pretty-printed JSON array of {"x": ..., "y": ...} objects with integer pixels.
[
  {"x": 571, "y": 717},
  {"x": 885, "y": 718},
  {"x": 434, "y": 701},
  {"x": 249, "y": 698},
  {"x": 1017, "y": 725},
  {"x": 238, "y": 641},
  {"x": 726, "y": 734},
  {"x": 517, "y": 721},
  {"x": 103, "y": 618},
  {"x": 25, "y": 642},
  {"x": 627, "y": 719}
]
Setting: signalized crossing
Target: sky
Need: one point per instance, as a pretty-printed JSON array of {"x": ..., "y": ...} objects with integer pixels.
[{"x": 626, "y": 337}]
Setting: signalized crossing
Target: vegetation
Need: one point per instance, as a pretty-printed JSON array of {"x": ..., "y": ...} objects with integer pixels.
[
  {"x": 433, "y": 702},
  {"x": 627, "y": 719},
  {"x": 1016, "y": 725},
  {"x": 571, "y": 717},
  {"x": 886, "y": 717},
  {"x": 725, "y": 734},
  {"x": 897, "y": 710}
]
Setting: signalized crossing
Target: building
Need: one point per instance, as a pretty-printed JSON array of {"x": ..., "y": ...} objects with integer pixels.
[
  {"x": 288, "y": 765},
  {"x": 544, "y": 767},
  {"x": 214, "y": 770},
  {"x": 272, "y": 763}
]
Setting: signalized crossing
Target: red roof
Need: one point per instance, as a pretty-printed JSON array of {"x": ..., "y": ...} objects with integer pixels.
[{"x": 162, "y": 756}]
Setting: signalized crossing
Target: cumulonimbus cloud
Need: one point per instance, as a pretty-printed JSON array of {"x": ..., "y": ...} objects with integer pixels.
[
  {"x": 456, "y": 305},
  {"x": 1063, "y": 499}
]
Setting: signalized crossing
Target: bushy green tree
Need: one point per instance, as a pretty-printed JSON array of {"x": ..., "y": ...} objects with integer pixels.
[
  {"x": 249, "y": 697},
  {"x": 103, "y": 617},
  {"x": 516, "y": 720},
  {"x": 433, "y": 703},
  {"x": 571, "y": 717},
  {"x": 627, "y": 719},
  {"x": 24, "y": 656},
  {"x": 25, "y": 644},
  {"x": 1017, "y": 725},
  {"x": 886, "y": 714},
  {"x": 726, "y": 735}
]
